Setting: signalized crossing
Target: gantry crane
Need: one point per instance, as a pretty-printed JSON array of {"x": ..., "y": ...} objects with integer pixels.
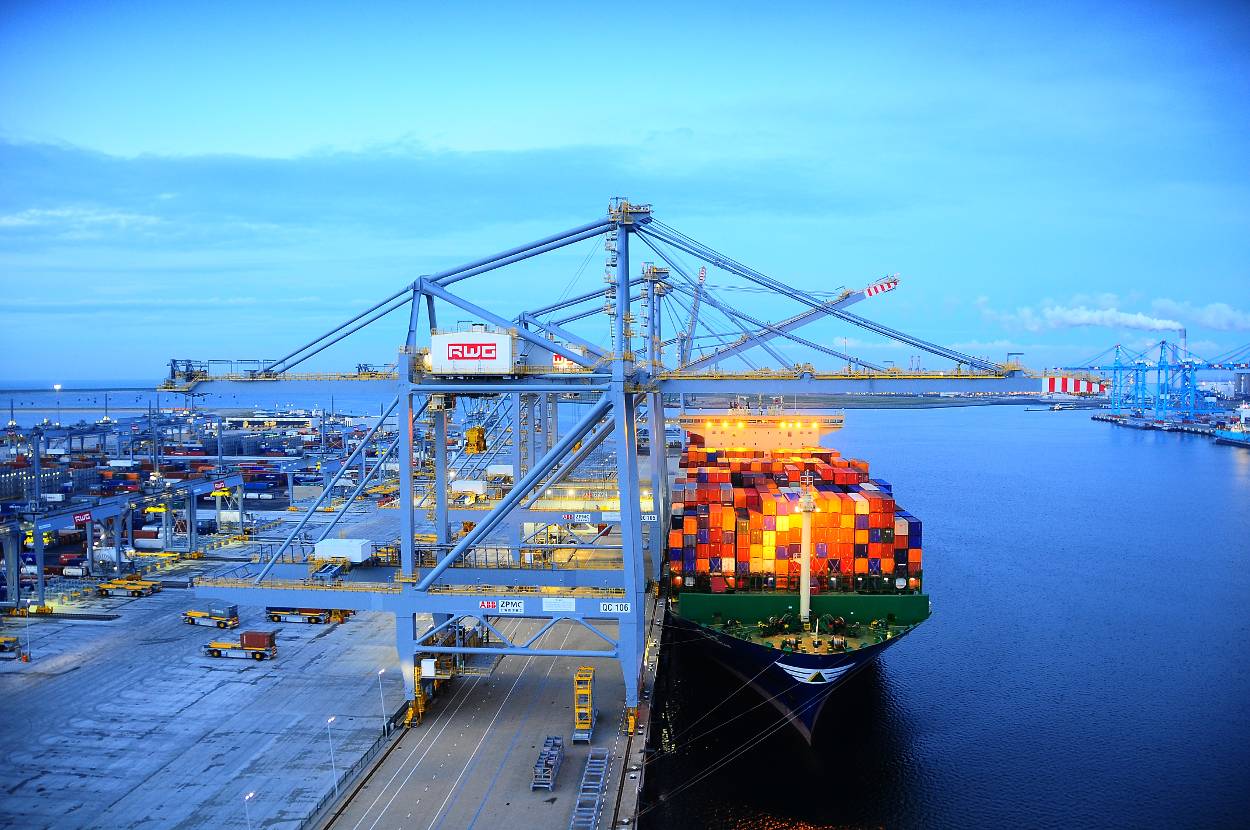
[
  {"x": 1160, "y": 382},
  {"x": 479, "y": 566}
]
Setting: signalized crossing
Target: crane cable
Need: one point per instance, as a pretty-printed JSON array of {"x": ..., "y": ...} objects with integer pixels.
[{"x": 743, "y": 747}]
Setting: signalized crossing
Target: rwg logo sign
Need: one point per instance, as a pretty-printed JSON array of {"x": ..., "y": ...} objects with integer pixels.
[{"x": 471, "y": 351}]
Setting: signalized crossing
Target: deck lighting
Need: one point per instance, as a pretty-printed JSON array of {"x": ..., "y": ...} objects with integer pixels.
[{"x": 246, "y": 813}]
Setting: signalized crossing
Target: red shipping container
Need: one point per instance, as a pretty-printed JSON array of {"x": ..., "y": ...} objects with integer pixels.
[{"x": 258, "y": 639}]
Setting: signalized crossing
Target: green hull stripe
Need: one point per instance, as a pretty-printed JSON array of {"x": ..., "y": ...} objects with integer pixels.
[{"x": 908, "y": 609}]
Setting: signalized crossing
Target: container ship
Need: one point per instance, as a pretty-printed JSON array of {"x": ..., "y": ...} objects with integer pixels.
[
  {"x": 790, "y": 564},
  {"x": 1238, "y": 433}
]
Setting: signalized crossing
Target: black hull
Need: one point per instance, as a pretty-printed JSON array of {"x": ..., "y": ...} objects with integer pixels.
[{"x": 797, "y": 685}]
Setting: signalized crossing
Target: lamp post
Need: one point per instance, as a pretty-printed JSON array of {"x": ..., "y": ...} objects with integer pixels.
[
  {"x": 57, "y": 387},
  {"x": 333, "y": 770},
  {"x": 247, "y": 813},
  {"x": 382, "y": 699}
]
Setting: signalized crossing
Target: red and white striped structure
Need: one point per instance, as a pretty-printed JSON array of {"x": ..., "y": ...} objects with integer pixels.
[
  {"x": 1075, "y": 386},
  {"x": 881, "y": 286}
]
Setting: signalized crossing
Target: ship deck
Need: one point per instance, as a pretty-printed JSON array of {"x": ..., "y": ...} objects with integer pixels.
[{"x": 814, "y": 642}]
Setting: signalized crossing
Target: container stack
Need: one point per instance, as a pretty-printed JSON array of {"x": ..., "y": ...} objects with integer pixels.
[{"x": 736, "y": 523}]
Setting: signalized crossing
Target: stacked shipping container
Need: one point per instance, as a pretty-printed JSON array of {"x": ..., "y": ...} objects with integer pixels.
[{"x": 736, "y": 519}]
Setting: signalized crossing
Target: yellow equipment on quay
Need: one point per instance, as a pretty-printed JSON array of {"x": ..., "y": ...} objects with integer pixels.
[
  {"x": 584, "y": 714},
  {"x": 127, "y": 588},
  {"x": 226, "y": 616}
]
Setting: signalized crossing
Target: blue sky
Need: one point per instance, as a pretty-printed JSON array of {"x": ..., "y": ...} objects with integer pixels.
[{"x": 229, "y": 181}]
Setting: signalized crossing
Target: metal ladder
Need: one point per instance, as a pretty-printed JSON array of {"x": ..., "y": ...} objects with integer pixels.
[{"x": 590, "y": 793}]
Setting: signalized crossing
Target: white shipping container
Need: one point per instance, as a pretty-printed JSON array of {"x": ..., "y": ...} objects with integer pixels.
[
  {"x": 149, "y": 544},
  {"x": 124, "y": 465},
  {"x": 353, "y": 550},
  {"x": 54, "y": 497},
  {"x": 232, "y": 516},
  {"x": 471, "y": 353},
  {"x": 76, "y": 571},
  {"x": 469, "y": 485}
]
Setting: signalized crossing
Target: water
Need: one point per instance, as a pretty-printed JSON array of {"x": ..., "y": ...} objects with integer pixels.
[{"x": 1085, "y": 665}]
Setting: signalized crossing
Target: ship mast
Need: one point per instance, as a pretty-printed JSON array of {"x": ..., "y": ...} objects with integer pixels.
[{"x": 806, "y": 505}]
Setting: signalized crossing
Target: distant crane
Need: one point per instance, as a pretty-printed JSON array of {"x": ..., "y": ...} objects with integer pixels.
[{"x": 1173, "y": 390}]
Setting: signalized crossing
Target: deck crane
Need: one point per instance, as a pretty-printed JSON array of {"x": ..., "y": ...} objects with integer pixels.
[{"x": 469, "y": 574}]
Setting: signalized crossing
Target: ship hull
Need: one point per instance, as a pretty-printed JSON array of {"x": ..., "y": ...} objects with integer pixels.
[{"x": 797, "y": 685}]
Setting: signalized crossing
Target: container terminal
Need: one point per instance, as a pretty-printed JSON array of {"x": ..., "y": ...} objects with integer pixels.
[{"x": 450, "y": 612}]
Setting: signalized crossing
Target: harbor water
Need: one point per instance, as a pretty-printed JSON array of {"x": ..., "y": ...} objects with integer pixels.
[{"x": 1086, "y": 664}]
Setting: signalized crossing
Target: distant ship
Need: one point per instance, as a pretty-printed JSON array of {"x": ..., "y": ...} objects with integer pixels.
[
  {"x": 792, "y": 566},
  {"x": 1237, "y": 433}
]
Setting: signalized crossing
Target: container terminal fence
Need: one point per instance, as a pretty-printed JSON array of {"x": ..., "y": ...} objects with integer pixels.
[{"x": 352, "y": 775}]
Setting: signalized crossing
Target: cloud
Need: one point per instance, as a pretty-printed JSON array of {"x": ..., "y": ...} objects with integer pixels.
[
  {"x": 1051, "y": 316},
  {"x": 1103, "y": 311},
  {"x": 1219, "y": 316},
  {"x": 74, "y": 216},
  {"x": 401, "y": 192},
  {"x": 210, "y": 305},
  {"x": 1060, "y": 317}
]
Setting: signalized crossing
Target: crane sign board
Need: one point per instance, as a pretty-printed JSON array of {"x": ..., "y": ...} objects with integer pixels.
[
  {"x": 471, "y": 353},
  {"x": 560, "y": 363},
  {"x": 881, "y": 286}
]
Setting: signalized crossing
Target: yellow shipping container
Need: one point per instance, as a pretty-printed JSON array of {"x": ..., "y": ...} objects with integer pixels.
[{"x": 861, "y": 537}]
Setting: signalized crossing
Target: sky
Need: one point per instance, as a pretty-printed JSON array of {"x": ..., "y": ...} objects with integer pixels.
[{"x": 230, "y": 180}]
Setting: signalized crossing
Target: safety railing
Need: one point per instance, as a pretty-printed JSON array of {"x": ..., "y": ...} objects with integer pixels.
[
  {"x": 527, "y": 590},
  {"x": 300, "y": 585}
]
